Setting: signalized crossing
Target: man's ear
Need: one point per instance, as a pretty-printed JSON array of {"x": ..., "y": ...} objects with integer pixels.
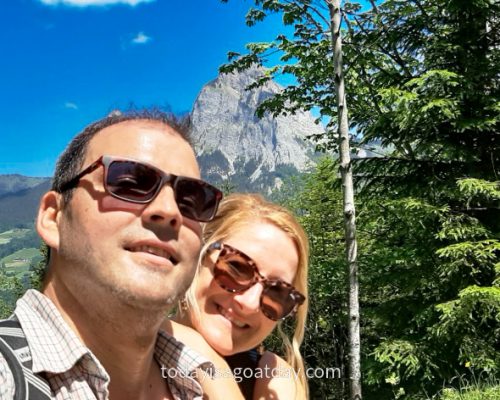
[{"x": 47, "y": 222}]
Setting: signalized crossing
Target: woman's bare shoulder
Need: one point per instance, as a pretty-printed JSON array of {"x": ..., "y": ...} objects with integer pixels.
[{"x": 279, "y": 380}]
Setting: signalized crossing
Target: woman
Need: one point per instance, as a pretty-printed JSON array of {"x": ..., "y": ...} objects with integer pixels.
[{"x": 252, "y": 275}]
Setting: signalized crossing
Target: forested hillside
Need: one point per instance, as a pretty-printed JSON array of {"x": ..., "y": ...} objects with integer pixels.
[
  {"x": 19, "y": 243},
  {"x": 19, "y": 202}
]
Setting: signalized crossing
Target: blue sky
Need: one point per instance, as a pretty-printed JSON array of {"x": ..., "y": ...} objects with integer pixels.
[{"x": 66, "y": 63}]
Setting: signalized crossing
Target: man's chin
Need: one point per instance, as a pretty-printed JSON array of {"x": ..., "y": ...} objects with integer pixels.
[{"x": 146, "y": 299}]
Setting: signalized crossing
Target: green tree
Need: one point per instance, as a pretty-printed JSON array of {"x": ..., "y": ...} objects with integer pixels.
[
  {"x": 430, "y": 296},
  {"x": 39, "y": 269},
  {"x": 429, "y": 90},
  {"x": 11, "y": 288}
]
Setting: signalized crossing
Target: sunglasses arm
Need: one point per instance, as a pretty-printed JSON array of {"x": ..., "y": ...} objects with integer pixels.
[{"x": 73, "y": 182}]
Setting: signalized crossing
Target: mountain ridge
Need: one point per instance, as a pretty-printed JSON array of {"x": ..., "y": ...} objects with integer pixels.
[
  {"x": 10, "y": 183},
  {"x": 234, "y": 145},
  {"x": 19, "y": 208}
]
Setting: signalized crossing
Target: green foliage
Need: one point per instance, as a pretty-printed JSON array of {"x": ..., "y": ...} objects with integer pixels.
[
  {"x": 15, "y": 281},
  {"x": 429, "y": 90},
  {"x": 421, "y": 80},
  {"x": 472, "y": 319},
  {"x": 475, "y": 388},
  {"x": 316, "y": 199},
  {"x": 477, "y": 192},
  {"x": 430, "y": 298},
  {"x": 489, "y": 393},
  {"x": 399, "y": 282},
  {"x": 11, "y": 289},
  {"x": 433, "y": 80},
  {"x": 38, "y": 270},
  {"x": 398, "y": 355}
]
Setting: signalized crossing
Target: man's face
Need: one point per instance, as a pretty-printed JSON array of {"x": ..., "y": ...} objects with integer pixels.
[{"x": 142, "y": 254}]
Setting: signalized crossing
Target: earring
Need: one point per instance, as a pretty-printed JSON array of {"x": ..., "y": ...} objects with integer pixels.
[{"x": 184, "y": 305}]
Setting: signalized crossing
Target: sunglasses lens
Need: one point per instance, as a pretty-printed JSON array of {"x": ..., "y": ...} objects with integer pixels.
[
  {"x": 232, "y": 272},
  {"x": 132, "y": 181},
  {"x": 277, "y": 302},
  {"x": 197, "y": 199}
]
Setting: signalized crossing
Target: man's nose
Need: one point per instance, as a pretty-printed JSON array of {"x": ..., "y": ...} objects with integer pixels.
[{"x": 163, "y": 209}]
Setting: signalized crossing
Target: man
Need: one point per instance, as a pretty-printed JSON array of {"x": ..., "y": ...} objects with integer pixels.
[{"x": 122, "y": 222}]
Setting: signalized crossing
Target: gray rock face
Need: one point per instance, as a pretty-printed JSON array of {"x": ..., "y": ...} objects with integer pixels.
[{"x": 234, "y": 145}]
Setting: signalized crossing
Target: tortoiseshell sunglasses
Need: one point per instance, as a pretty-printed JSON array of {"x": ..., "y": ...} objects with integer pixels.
[{"x": 236, "y": 272}]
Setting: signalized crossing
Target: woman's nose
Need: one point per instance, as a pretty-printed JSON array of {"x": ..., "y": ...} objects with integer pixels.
[{"x": 249, "y": 300}]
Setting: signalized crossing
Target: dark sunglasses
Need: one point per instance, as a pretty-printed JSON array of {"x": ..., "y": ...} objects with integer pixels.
[
  {"x": 236, "y": 272},
  {"x": 138, "y": 182}
]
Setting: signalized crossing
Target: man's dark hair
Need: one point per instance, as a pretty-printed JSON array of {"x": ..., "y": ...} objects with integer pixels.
[{"x": 70, "y": 162}]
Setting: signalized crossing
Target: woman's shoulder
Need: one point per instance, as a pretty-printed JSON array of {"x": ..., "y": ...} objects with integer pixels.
[
  {"x": 270, "y": 359},
  {"x": 277, "y": 374}
]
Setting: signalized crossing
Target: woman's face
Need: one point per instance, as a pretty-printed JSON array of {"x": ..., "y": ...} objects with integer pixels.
[{"x": 233, "y": 322}]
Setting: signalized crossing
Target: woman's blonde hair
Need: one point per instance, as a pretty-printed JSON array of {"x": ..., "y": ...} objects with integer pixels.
[{"x": 239, "y": 210}]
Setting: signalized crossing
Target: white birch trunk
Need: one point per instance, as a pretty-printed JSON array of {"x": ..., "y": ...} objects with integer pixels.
[{"x": 349, "y": 210}]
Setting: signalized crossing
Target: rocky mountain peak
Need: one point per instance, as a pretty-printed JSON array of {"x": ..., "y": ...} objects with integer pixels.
[{"x": 233, "y": 144}]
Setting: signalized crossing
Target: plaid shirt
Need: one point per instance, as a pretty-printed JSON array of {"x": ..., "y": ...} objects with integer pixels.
[{"x": 73, "y": 372}]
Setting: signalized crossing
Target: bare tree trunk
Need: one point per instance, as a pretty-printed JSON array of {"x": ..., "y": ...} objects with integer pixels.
[{"x": 349, "y": 210}]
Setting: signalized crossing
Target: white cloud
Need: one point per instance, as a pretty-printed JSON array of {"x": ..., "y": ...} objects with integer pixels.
[
  {"x": 71, "y": 105},
  {"x": 141, "y": 38},
  {"x": 87, "y": 3}
]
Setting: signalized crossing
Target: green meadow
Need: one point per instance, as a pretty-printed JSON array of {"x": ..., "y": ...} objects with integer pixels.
[{"x": 7, "y": 236}]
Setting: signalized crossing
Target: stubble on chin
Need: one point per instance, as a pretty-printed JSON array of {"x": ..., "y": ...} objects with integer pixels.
[
  {"x": 143, "y": 304},
  {"x": 159, "y": 299}
]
